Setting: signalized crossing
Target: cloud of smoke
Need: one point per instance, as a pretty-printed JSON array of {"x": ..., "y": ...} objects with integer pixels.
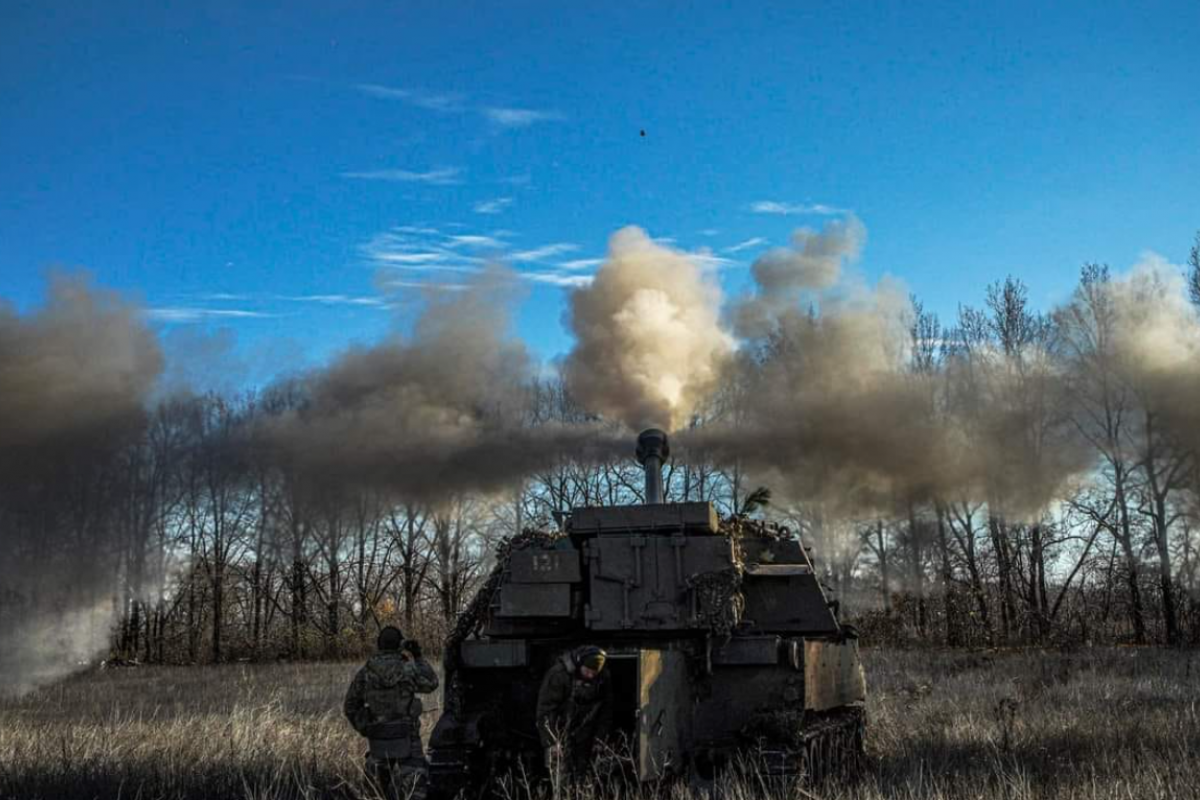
[
  {"x": 826, "y": 409},
  {"x": 75, "y": 375},
  {"x": 649, "y": 344},
  {"x": 1157, "y": 344},
  {"x": 78, "y": 368},
  {"x": 831, "y": 408},
  {"x": 1010, "y": 438},
  {"x": 783, "y": 274},
  {"x": 431, "y": 415},
  {"x": 49, "y": 639}
]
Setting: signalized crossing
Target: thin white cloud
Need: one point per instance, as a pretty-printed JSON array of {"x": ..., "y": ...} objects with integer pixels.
[
  {"x": 757, "y": 241},
  {"x": 190, "y": 314},
  {"x": 382, "y": 253},
  {"x": 518, "y": 117},
  {"x": 557, "y": 279},
  {"x": 578, "y": 264},
  {"x": 443, "y": 102},
  {"x": 338, "y": 300},
  {"x": 544, "y": 252},
  {"x": 792, "y": 209},
  {"x": 508, "y": 117},
  {"x": 493, "y": 206},
  {"x": 707, "y": 260},
  {"x": 474, "y": 240},
  {"x": 224, "y": 297},
  {"x": 710, "y": 231},
  {"x": 395, "y": 284},
  {"x": 424, "y": 257},
  {"x": 445, "y": 176},
  {"x": 421, "y": 249}
]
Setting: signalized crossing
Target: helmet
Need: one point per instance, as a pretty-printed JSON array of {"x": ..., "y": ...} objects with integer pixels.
[
  {"x": 390, "y": 638},
  {"x": 590, "y": 656}
]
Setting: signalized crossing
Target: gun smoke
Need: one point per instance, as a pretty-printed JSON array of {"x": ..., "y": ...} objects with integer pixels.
[
  {"x": 834, "y": 393},
  {"x": 75, "y": 378},
  {"x": 428, "y": 417},
  {"x": 649, "y": 346}
]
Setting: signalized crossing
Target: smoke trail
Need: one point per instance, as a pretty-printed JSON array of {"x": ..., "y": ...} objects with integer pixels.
[
  {"x": 428, "y": 416},
  {"x": 649, "y": 345},
  {"x": 75, "y": 378}
]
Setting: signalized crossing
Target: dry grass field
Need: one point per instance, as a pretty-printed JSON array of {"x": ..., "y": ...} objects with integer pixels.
[{"x": 1111, "y": 723}]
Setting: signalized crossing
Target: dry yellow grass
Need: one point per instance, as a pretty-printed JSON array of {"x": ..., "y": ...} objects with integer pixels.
[{"x": 1096, "y": 724}]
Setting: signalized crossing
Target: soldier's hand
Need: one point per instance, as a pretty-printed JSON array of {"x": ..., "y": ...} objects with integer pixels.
[{"x": 413, "y": 647}]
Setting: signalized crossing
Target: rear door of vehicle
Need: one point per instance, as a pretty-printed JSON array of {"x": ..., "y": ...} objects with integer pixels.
[{"x": 663, "y": 709}]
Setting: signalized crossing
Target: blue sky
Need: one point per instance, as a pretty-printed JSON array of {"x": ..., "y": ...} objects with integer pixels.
[{"x": 260, "y": 169}]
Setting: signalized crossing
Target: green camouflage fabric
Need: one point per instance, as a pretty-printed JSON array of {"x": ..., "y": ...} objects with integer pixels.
[
  {"x": 382, "y": 705},
  {"x": 572, "y": 713}
]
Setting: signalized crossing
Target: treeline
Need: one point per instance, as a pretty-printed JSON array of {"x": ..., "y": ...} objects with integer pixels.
[
  {"x": 200, "y": 549},
  {"x": 280, "y": 568}
]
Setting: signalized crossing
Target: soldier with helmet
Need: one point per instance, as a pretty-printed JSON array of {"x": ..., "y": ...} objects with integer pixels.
[
  {"x": 574, "y": 709},
  {"x": 382, "y": 705}
]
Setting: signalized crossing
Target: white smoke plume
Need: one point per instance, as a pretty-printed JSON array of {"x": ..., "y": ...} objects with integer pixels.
[{"x": 649, "y": 343}]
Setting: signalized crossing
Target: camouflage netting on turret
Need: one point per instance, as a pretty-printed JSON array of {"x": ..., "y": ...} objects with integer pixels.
[
  {"x": 719, "y": 601},
  {"x": 739, "y": 526},
  {"x": 719, "y": 597},
  {"x": 470, "y": 622}
]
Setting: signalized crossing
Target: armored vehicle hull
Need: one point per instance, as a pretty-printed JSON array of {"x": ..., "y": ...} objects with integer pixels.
[{"x": 721, "y": 643}]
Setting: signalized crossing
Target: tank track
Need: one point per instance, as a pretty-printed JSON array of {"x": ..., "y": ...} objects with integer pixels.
[{"x": 826, "y": 746}]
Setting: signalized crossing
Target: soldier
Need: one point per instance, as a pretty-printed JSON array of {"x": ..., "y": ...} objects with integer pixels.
[
  {"x": 574, "y": 709},
  {"x": 382, "y": 705}
]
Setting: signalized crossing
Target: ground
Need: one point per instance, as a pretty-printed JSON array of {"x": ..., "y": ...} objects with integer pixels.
[{"x": 1104, "y": 723}]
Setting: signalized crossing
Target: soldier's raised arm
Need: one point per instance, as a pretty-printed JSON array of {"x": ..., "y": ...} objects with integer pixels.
[{"x": 425, "y": 678}]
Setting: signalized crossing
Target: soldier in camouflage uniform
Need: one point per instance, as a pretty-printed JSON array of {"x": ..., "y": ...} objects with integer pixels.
[
  {"x": 574, "y": 709},
  {"x": 382, "y": 705}
]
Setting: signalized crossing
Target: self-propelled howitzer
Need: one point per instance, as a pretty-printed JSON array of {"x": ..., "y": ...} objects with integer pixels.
[{"x": 721, "y": 642}]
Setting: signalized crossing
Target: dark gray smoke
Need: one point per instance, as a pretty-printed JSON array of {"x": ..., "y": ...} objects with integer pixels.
[
  {"x": 428, "y": 416},
  {"x": 78, "y": 369},
  {"x": 75, "y": 377}
]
